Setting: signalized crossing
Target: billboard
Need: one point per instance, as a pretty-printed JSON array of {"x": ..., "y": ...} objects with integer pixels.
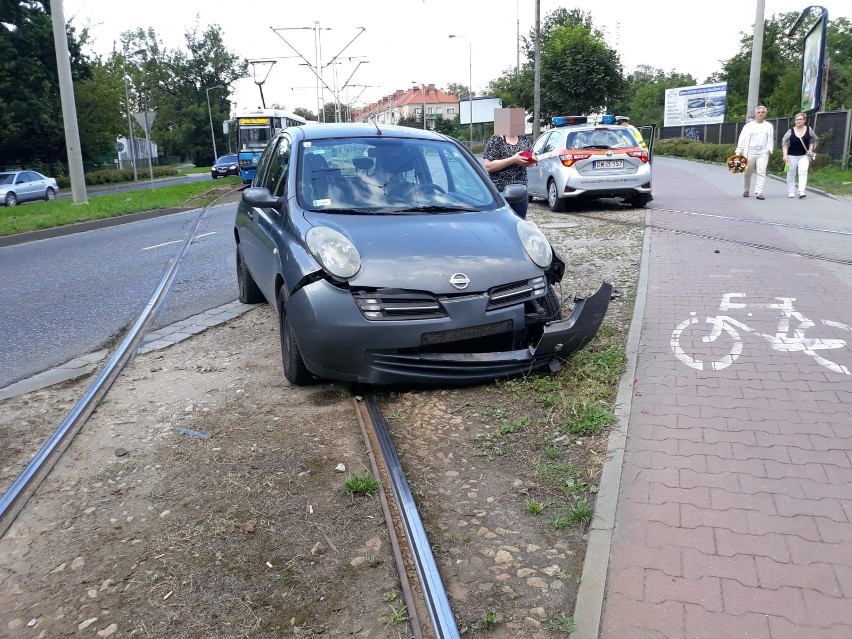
[
  {"x": 483, "y": 110},
  {"x": 812, "y": 66},
  {"x": 702, "y": 104}
]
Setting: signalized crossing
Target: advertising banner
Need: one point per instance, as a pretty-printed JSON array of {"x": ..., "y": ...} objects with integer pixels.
[{"x": 702, "y": 104}]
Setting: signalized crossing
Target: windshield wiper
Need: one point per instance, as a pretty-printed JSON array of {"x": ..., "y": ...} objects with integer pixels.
[{"x": 432, "y": 209}]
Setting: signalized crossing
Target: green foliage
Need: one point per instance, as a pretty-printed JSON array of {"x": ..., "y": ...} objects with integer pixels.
[
  {"x": 305, "y": 113},
  {"x": 44, "y": 215},
  {"x": 361, "y": 485},
  {"x": 115, "y": 176},
  {"x": 579, "y": 72}
]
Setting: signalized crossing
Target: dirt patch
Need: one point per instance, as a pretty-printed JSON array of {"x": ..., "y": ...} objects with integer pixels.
[{"x": 205, "y": 497}]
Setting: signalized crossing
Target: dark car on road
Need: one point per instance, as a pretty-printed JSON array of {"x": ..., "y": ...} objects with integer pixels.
[
  {"x": 390, "y": 257},
  {"x": 20, "y": 186},
  {"x": 223, "y": 167}
]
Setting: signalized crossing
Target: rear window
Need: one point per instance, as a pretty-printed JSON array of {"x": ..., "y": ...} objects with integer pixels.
[{"x": 601, "y": 139}]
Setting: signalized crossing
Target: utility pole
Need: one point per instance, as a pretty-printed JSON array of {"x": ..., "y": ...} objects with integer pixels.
[
  {"x": 537, "y": 80},
  {"x": 69, "y": 106},
  {"x": 756, "y": 57}
]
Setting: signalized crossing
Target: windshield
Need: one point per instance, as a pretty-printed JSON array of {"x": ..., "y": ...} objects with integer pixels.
[
  {"x": 389, "y": 175},
  {"x": 254, "y": 137},
  {"x": 227, "y": 159},
  {"x": 7, "y": 178}
]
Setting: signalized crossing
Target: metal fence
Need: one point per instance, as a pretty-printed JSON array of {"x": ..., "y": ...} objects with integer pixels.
[{"x": 833, "y": 127}]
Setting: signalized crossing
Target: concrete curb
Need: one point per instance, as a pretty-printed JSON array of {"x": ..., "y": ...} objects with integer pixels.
[
  {"x": 588, "y": 609},
  {"x": 155, "y": 340}
]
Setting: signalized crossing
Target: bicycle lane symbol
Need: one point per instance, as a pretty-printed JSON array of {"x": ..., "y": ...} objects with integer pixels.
[{"x": 721, "y": 333}]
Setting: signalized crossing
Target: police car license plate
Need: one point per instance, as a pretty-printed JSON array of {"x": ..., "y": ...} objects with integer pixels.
[{"x": 608, "y": 164}]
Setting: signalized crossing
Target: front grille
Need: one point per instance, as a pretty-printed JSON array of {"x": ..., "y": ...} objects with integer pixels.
[
  {"x": 516, "y": 293},
  {"x": 398, "y": 305}
]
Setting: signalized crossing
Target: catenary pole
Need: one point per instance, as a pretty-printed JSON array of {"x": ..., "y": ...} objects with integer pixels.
[
  {"x": 69, "y": 106},
  {"x": 756, "y": 57}
]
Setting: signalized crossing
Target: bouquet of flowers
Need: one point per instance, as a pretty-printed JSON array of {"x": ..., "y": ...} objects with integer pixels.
[{"x": 737, "y": 163}]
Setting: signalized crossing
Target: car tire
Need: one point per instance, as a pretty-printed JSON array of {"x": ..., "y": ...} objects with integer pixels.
[
  {"x": 556, "y": 204},
  {"x": 291, "y": 356},
  {"x": 550, "y": 303},
  {"x": 250, "y": 293},
  {"x": 49, "y": 194},
  {"x": 11, "y": 199},
  {"x": 639, "y": 200},
  {"x": 213, "y": 176}
]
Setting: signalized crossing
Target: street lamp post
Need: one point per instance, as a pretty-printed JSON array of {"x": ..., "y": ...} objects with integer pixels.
[
  {"x": 130, "y": 139},
  {"x": 210, "y": 115},
  {"x": 470, "y": 81}
]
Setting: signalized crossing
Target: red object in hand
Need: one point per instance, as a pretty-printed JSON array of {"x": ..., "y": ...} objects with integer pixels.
[{"x": 526, "y": 153}]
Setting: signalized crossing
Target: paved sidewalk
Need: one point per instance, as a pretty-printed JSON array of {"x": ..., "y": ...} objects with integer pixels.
[{"x": 735, "y": 507}]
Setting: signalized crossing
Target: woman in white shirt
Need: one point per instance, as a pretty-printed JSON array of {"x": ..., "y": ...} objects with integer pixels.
[{"x": 757, "y": 139}]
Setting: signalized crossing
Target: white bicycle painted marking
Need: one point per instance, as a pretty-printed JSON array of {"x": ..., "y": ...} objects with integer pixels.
[{"x": 788, "y": 338}]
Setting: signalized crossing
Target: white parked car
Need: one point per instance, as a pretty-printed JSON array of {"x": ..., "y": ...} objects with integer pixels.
[{"x": 20, "y": 186}]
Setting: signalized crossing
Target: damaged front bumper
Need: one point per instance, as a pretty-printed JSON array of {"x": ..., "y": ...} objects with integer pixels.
[{"x": 559, "y": 340}]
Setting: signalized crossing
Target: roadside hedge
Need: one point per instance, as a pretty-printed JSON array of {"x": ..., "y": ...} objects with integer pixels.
[
  {"x": 113, "y": 176},
  {"x": 719, "y": 153}
]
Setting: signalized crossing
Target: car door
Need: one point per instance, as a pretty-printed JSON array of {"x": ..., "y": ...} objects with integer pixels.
[
  {"x": 266, "y": 225},
  {"x": 36, "y": 186},
  {"x": 548, "y": 161},
  {"x": 23, "y": 186},
  {"x": 535, "y": 184}
]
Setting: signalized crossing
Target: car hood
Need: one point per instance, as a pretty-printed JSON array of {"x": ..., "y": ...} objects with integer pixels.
[{"x": 423, "y": 252}]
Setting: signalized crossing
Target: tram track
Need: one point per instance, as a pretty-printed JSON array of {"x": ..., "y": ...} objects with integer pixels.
[
  {"x": 737, "y": 241},
  {"x": 451, "y": 442}
]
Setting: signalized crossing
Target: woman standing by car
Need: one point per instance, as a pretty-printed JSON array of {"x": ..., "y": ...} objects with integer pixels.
[
  {"x": 798, "y": 146},
  {"x": 506, "y": 160}
]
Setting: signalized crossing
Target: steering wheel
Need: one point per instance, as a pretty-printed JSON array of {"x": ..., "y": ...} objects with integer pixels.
[{"x": 431, "y": 188}]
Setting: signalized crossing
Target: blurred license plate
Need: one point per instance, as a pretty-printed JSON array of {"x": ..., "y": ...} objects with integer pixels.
[{"x": 608, "y": 164}]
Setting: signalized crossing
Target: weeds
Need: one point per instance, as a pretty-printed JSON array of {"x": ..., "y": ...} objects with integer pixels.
[
  {"x": 534, "y": 507},
  {"x": 398, "y": 615},
  {"x": 361, "y": 485}
]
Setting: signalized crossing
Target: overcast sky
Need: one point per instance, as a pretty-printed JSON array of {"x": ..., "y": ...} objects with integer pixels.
[{"x": 407, "y": 41}]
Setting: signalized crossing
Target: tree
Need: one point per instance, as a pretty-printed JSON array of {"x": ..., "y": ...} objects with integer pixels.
[
  {"x": 461, "y": 90},
  {"x": 645, "y": 94},
  {"x": 305, "y": 113},
  {"x": 31, "y": 126},
  {"x": 175, "y": 84},
  {"x": 579, "y": 72}
]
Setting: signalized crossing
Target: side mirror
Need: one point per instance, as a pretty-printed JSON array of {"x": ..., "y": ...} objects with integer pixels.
[
  {"x": 513, "y": 193},
  {"x": 260, "y": 197}
]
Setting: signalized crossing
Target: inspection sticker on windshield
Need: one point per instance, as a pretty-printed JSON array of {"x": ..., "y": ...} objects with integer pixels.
[
  {"x": 323, "y": 202},
  {"x": 608, "y": 164}
]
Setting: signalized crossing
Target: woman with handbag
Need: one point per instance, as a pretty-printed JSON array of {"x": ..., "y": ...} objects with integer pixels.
[{"x": 798, "y": 146}]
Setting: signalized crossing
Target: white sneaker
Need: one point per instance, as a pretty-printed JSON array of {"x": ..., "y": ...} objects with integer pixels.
[{"x": 790, "y": 195}]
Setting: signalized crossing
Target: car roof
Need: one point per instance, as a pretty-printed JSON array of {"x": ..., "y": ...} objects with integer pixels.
[{"x": 361, "y": 130}]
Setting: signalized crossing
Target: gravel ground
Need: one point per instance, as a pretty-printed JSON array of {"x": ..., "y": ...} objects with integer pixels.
[{"x": 205, "y": 496}]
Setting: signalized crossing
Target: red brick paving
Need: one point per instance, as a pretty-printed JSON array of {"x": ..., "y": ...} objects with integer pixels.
[{"x": 734, "y": 518}]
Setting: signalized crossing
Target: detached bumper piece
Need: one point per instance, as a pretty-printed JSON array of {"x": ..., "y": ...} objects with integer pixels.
[
  {"x": 566, "y": 336},
  {"x": 559, "y": 340}
]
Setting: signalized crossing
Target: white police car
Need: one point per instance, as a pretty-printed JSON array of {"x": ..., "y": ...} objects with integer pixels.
[{"x": 579, "y": 160}]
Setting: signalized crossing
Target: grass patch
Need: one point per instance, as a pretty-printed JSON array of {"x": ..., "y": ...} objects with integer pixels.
[
  {"x": 44, "y": 215},
  {"x": 361, "y": 485}
]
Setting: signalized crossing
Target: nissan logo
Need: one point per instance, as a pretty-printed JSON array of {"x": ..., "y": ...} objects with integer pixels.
[
  {"x": 609, "y": 154},
  {"x": 459, "y": 280}
]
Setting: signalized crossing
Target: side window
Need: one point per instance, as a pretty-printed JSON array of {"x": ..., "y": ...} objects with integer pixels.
[
  {"x": 263, "y": 165},
  {"x": 539, "y": 144},
  {"x": 553, "y": 142},
  {"x": 279, "y": 163}
]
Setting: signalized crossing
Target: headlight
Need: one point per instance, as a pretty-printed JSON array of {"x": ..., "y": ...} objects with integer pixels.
[
  {"x": 535, "y": 244},
  {"x": 334, "y": 252}
]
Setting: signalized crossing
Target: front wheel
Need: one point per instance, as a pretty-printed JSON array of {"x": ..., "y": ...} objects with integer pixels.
[
  {"x": 556, "y": 204},
  {"x": 291, "y": 356},
  {"x": 250, "y": 293},
  {"x": 689, "y": 344},
  {"x": 49, "y": 194},
  {"x": 11, "y": 199}
]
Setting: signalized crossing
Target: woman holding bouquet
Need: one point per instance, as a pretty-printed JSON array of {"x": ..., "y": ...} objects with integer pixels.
[{"x": 757, "y": 139}]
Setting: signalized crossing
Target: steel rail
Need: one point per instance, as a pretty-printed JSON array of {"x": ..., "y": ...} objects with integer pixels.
[
  {"x": 437, "y": 602},
  {"x": 11, "y": 501}
]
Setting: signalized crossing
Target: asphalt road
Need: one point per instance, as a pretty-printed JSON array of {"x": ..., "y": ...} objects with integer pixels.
[{"x": 70, "y": 295}]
